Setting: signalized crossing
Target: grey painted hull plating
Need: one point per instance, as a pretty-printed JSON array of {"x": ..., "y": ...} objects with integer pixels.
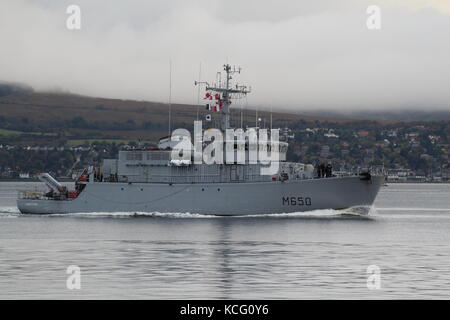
[{"x": 215, "y": 198}]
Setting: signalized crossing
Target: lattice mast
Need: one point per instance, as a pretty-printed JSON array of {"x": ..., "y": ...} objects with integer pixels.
[{"x": 227, "y": 93}]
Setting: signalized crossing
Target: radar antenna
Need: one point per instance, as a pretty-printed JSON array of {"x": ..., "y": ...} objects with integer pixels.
[{"x": 227, "y": 93}]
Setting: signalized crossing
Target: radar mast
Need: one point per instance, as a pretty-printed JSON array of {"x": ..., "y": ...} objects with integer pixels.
[{"x": 226, "y": 93}]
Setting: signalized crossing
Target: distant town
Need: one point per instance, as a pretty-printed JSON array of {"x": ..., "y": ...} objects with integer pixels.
[{"x": 408, "y": 153}]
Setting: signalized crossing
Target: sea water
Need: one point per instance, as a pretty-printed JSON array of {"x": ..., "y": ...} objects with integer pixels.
[{"x": 321, "y": 254}]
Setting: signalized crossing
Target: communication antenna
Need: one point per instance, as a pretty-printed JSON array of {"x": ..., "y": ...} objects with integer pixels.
[
  {"x": 198, "y": 89},
  {"x": 270, "y": 117},
  {"x": 246, "y": 103},
  {"x": 170, "y": 96},
  {"x": 242, "y": 115}
]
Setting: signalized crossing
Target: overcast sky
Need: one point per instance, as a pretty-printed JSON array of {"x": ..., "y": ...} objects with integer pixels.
[{"x": 297, "y": 53}]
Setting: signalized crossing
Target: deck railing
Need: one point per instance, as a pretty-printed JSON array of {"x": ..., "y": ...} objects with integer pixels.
[{"x": 32, "y": 195}]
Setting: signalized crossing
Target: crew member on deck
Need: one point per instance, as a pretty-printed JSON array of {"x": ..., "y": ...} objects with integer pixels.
[{"x": 329, "y": 170}]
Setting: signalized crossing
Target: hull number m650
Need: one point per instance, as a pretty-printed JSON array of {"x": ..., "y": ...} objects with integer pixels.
[{"x": 296, "y": 201}]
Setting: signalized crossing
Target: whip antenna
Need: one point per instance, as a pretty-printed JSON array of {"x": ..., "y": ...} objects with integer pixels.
[
  {"x": 198, "y": 88},
  {"x": 170, "y": 95}
]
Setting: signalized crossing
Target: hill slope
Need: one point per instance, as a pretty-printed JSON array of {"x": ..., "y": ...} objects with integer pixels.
[{"x": 82, "y": 116}]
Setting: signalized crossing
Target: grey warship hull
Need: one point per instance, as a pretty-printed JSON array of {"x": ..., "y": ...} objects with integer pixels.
[{"x": 215, "y": 198}]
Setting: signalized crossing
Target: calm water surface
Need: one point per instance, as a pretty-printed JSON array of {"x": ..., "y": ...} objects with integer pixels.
[{"x": 324, "y": 254}]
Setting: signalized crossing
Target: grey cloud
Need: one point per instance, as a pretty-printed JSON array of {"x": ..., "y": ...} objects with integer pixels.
[{"x": 297, "y": 54}]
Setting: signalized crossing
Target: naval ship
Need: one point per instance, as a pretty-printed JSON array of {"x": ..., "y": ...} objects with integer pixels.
[{"x": 150, "y": 180}]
